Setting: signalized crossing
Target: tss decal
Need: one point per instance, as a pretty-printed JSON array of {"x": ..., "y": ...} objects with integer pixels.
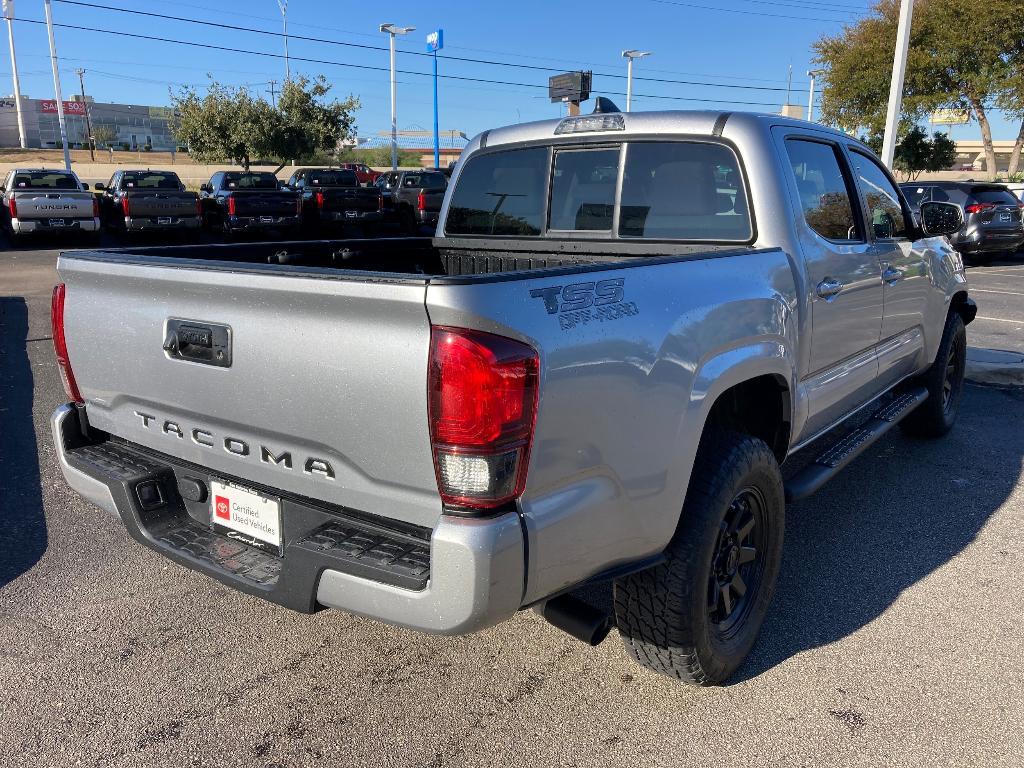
[{"x": 581, "y": 303}]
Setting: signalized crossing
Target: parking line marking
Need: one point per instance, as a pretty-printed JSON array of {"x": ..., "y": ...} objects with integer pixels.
[
  {"x": 999, "y": 320},
  {"x": 1004, "y": 274},
  {"x": 989, "y": 290}
]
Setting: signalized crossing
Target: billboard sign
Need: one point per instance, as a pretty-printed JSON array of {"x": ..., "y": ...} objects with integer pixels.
[
  {"x": 70, "y": 107},
  {"x": 570, "y": 86},
  {"x": 951, "y": 117},
  {"x": 435, "y": 41}
]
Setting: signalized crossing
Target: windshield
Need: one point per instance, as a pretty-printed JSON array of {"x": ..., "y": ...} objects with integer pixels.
[
  {"x": 151, "y": 181},
  {"x": 265, "y": 180},
  {"x": 44, "y": 180},
  {"x": 680, "y": 190}
]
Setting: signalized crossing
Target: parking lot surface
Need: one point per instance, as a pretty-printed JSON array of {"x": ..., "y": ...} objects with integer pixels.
[{"x": 894, "y": 638}]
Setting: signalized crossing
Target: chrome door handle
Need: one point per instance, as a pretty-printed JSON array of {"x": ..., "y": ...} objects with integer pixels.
[
  {"x": 892, "y": 275},
  {"x": 829, "y": 288}
]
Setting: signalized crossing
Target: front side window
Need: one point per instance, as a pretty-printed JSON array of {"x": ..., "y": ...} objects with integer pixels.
[
  {"x": 824, "y": 195},
  {"x": 685, "y": 191},
  {"x": 583, "y": 189},
  {"x": 882, "y": 199},
  {"x": 501, "y": 193}
]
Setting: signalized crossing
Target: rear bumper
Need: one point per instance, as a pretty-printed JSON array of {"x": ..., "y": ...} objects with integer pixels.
[
  {"x": 248, "y": 223},
  {"x": 349, "y": 217},
  {"x": 981, "y": 241},
  {"x": 153, "y": 224},
  {"x": 29, "y": 226},
  {"x": 476, "y": 567}
]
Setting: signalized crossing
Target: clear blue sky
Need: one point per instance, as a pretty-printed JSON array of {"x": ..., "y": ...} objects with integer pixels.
[{"x": 724, "y": 43}]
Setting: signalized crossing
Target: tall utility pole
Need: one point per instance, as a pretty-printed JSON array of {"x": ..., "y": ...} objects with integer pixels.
[
  {"x": 9, "y": 16},
  {"x": 392, "y": 30},
  {"x": 283, "y": 5},
  {"x": 88, "y": 123},
  {"x": 272, "y": 91},
  {"x": 629, "y": 56},
  {"x": 56, "y": 87},
  {"x": 899, "y": 70},
  {"x": 812, "y": 73}
]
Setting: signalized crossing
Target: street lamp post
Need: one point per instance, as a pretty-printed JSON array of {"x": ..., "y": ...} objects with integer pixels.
[
  {"x": 812, "y": 73},
  {"x": 629, "y": 56},
  {"x": 899, "y": 70},
  {"x": 56, "y": 86},
  {"x": 392, "y": 30},
  {"x": 283, "y": 5},
  {"x": 8, "y": 9}
]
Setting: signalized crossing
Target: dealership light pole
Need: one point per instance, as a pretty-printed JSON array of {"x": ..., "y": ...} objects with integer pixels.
[
  {"x": 393, "y": 30},
  {"x": 9, "y": 16},
  {"x": 812, "y": 73},
  {"x": 629, "y": 56},
  {"x": 435, "y": 42},
  {"x": 283, "y": 5},
  {"x": 899, "y": 69},
  {"x": 56, "y": 87}
]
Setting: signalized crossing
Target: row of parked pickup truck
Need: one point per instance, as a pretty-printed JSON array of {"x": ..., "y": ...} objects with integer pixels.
[{"x": 313, "y": 200}]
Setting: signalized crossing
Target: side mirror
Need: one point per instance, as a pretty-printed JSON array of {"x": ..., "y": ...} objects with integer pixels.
[
  {"x": 205, "y": 187},
  {"x": 85, "y": 186},
  {"x": 940, "y": 218},
  {"x": 99, "y": 186}
]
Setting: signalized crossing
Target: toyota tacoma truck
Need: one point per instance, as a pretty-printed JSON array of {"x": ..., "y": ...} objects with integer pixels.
[
  {"x": 624, "y": 325},
  {"x": 234, "y": 202},
  {"x": 40, "y": 201},
  {"x": 147, "y": 201}
]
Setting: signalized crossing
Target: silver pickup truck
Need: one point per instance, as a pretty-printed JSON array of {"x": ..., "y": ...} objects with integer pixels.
[
  {"x": 625, "y": 324},
  {"x": 38, "y": 200}
]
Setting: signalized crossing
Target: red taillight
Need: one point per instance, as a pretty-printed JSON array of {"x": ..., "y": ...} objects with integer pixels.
[
  {"x": 126, "y": 206},
  {"x": 421, "y": 202},
  {"x": 231, "y": 206},
  {"x": 298, "y": 205},
  {"x": 380, "y": 202},
  {"x": 13, "y": 207},
  {"x": 320, "y": 200},
  {"x": 482, "y": 397},
  {"x": 199, "y": 208},
  {"x": 979, "y": 207},
  {"x": 95, "y": 207},
  {"x": 60, "y": 347}
]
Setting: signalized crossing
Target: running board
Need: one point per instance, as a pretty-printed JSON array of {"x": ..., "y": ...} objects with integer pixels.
[{"x": 831, "y": 462}]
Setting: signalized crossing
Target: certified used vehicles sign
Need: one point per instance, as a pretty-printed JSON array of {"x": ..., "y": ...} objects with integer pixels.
[{"x": 247, "y": 516}]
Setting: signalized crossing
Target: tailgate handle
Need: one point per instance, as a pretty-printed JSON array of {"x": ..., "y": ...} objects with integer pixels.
[{"x": 198, "y": 342}]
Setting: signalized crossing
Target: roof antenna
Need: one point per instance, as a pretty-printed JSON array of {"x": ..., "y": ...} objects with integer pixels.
[{"x": 604, "y": 105}]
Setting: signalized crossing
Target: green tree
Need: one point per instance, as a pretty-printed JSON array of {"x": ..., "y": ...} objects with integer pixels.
[
  {"x": 915, "y": 153},
  {"x": 103, "y": 135},
  {"x": 228, "y": 125},
  {"x": 959, "y": 57}
]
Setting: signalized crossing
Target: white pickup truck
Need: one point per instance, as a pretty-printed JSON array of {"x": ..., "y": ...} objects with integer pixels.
[
  {"x": 38, "y": 201},
  {"x": 625, "y": 324}
]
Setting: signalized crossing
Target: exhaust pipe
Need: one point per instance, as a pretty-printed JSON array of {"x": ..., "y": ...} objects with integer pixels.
[{"x": 581, "y": 620}]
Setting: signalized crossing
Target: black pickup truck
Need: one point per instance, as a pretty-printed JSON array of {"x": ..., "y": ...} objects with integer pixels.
[
  {"x": 249, "y": 201},
  {"x": 413, "y": 198},
  {"x": 333, "y": 198},
  {"x": 143, "y": 201}
]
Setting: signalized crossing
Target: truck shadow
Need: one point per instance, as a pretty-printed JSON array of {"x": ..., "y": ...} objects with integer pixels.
[
  {"x": 23, "y": 537},
  {"x": 900, "y": 512}
]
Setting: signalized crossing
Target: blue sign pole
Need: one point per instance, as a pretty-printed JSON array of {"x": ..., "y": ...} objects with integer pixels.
[{"x": 435, "y": 42}]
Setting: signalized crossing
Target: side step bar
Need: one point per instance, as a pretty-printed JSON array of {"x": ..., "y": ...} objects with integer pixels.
[{"x": 831, "y": 462}]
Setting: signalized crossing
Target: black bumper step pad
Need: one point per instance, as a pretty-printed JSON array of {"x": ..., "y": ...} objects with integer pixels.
[{"x": 315, "y": 538}]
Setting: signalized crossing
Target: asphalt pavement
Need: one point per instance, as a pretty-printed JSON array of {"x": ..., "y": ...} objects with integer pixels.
[{"x": 895, "y": 638}]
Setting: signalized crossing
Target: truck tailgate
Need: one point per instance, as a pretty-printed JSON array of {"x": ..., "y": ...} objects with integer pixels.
[
  {"x": 324, "y": 397},
  {"x": 264, "y": 203},
  {"x": 43, "y": 205},
  {"x": 152, "y": 204},
  {"x": 351, "y": 199}
]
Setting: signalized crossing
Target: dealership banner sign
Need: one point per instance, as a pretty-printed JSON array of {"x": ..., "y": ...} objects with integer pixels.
[{"x": 70, "y": 107}]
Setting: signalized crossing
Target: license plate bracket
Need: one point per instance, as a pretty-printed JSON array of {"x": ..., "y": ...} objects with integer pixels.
[
  {"x": 266, "y": 219},
  {"x": 163, "y": 219},
  {"x": 246, "y": 515},
  {"x": 56, "y": 222}
]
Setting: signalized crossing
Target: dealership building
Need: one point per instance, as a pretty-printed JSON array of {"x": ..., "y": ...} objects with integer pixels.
[{"x": 134, "y": 125}]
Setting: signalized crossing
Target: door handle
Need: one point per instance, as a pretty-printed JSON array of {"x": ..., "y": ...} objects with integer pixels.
[
  {"x": 829, "y": 288},
  {"x": 892, "y": 275}
]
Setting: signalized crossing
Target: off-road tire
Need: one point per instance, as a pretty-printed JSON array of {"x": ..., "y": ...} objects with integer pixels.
[
  {"x": 664, "y": 614},
  {"x": 944, "y": 381}
]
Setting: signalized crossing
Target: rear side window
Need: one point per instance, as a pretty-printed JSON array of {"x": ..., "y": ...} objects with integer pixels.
[
  {"x": 685, "y": 191},
  {"x": 583, "y": 189},
  {"x": 883, "y": 202},
  {"x": 824, "y": 194},
  {"x": 995, "y": 195},
  {"x": 501, "y": 193}
]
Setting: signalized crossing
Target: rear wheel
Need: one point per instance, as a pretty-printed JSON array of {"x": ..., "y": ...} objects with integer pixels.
[
  {"x": 944, "y": 381},
  {"x": 696, "y": 616}
]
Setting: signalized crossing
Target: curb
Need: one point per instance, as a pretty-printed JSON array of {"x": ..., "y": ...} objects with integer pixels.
[{"x": 995, "y": 366}]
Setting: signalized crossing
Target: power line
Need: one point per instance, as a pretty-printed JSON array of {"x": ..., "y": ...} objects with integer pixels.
[
  {"x": 363, "y": 46},
  {"x": 268, "y": 54},
  {"x": 744, "y": 11}
]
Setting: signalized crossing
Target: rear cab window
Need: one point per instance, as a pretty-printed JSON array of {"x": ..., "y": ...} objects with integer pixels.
[
  {"x": 44, "y": 180},
  {"x": 686, "y": 190},
  {"x": 150, "y": 180},
  {"x": 341, "y": 178},
  {"x": 263, "y": 180}
]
